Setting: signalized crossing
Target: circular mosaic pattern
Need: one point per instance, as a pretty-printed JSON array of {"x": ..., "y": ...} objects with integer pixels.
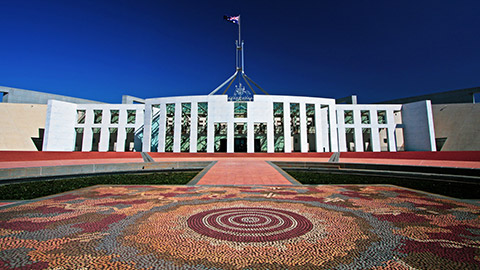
[
  {"x": 246, "y": 224},
  {"x": 150, "y": 227}
]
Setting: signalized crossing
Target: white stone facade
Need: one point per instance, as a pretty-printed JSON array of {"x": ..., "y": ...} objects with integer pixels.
[
  {"x": 63, "y": 123},
  {"x": 303, "y": 124}
]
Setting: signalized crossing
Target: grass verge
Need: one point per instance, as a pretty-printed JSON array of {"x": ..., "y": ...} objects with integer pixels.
[
  {"x": 31, "y": 190},
  {"x": 452, "y": 189}
]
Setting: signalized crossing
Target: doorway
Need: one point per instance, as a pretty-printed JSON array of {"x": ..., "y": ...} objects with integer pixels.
[
  {"x": 240, "y": 145},
  {"x": 222, "y": 148}
]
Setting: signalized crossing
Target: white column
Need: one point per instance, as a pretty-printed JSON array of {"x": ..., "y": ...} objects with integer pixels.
[
  {"x": 286, "y": 125},
  {"x": 375, "y": 139},
  {"x": 210, "y": 135},
  {"x": 357, "y": 120},
  {"x": 87, "y": 131},
  {"x": 177, "y": 133},
  {"x": 342, "y": 140},
  {"x": 104, "y": 132},
  {"x": 333, "y": 128},
  {"x": 147, "y": 128},
  {"x": 270, "y": 131},
  {"x": 161, "y": 127},
  {"x": 431, "y": 127},
  {"x": 374, "y": 131},
  {"x": 193, "y": 127},
  {"x": 121, "y": 138},
  {"x": 104, "y": 137},
  {"x": 324, "y": 129},
  {"x": 318, "y": 128},
  {"x": 250, "y": 137},
  {"x": 303, "y": 128},
  {"x": 139, "y": 117},
  {"x": 392, "y": 145},
  {"x": 122, "y": 133},
  {"x": 230, "y": 136}
]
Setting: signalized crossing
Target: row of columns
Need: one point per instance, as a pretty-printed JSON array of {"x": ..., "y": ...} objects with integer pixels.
[
  {"x": 321, "y": 124},
  {"x": 373, "y": 126},
  {"x": 105, "y": 129}
]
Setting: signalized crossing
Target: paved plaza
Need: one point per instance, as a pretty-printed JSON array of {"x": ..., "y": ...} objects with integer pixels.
[
  {"x": 241, "y": 212},
  {"x": 241, "y": 227}
]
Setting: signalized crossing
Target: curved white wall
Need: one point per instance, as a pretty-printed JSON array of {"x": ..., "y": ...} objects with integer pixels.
[{"x": 330, "y": 132}]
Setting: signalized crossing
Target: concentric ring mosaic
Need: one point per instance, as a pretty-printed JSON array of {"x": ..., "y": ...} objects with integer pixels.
[
  {"x": 256, "y": 227},
  {"x": 253, "y": 224}
]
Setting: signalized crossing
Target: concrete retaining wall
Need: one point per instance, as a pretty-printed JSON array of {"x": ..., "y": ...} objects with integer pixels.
[
  {"x": 458, "y": 125},
  {"x": 447, "y": 174},
  {"x": 59, "y": 171},
  {"x": 21, "y": 125},
  {"x": 15, "y": 95}
]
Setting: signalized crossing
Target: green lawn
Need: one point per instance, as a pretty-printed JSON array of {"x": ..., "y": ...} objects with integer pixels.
[
  {"x": 31, "y": 190},
  {"x": 452, "y": 189}
]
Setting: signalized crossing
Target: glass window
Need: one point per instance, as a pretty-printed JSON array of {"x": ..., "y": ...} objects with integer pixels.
[
  {"x": 130, "y": 139},
  {"x": 114, "y": 116},
  {"x": 311, "y": 138},
  {"x": 240, "y": 110},
  {"x": 170, "y": 127},
  {"x": 310, "y": 109},
  {"x": 365, "y": 117},
  {"x": 220, "y": 128},
  {"x": 348, "y": 116},
  {"x": 131, "y": 116},
  {"x": 240, "y": 129},
  {"x": 78, "y": 139},
  {"x": 220, "y": 138},
  {"x": 185, "y": 135},
  {"x": 260, "y": 133},
  {"x": 97, "y": 116},
  {"x": 155, "y": 127},
  {"x": 80, "y": 116},
  {"x": 279, "y": 141},
  {"x": 202, "y": 126},
  {"x": 112, "y": 141},
  {"x": 382, "y": 117},
  {"x": 294, "y": 118}
]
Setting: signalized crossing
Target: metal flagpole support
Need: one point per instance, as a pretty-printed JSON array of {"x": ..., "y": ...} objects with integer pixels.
[
  {"x": 240, "y": 93},
  {"x": 243, "y": 63},
  {"x": 225, "y": 82}
]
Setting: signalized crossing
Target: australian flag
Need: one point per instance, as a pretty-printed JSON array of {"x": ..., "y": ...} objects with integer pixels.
[{"x": 233, "y": 19}]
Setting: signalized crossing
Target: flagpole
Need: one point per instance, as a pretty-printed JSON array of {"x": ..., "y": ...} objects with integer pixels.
[
  {"x": 240, "y": 47},
  {"x": 240, "y": 66},
  {"x": 240, "y": 42},
  {"x": 239, "y": 30}
]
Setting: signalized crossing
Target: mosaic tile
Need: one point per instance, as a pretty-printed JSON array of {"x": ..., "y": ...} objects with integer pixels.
[{"x": 261, "y": 227}]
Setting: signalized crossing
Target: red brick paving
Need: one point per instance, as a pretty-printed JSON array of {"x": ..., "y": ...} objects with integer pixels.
[{"x": 236, "y": 171}]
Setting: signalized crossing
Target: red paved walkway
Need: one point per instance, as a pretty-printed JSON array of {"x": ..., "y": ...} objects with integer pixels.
[{"x": 241, "y": 171}]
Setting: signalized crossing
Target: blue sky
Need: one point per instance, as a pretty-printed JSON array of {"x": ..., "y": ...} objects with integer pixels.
[{"x": 378, "y": 50}]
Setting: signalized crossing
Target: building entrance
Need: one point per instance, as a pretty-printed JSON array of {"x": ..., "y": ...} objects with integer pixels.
[
  {"x": 220, "y": 137},
  {"x": 223, "y": 146},
  {"x": 240, "y": 145}
]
